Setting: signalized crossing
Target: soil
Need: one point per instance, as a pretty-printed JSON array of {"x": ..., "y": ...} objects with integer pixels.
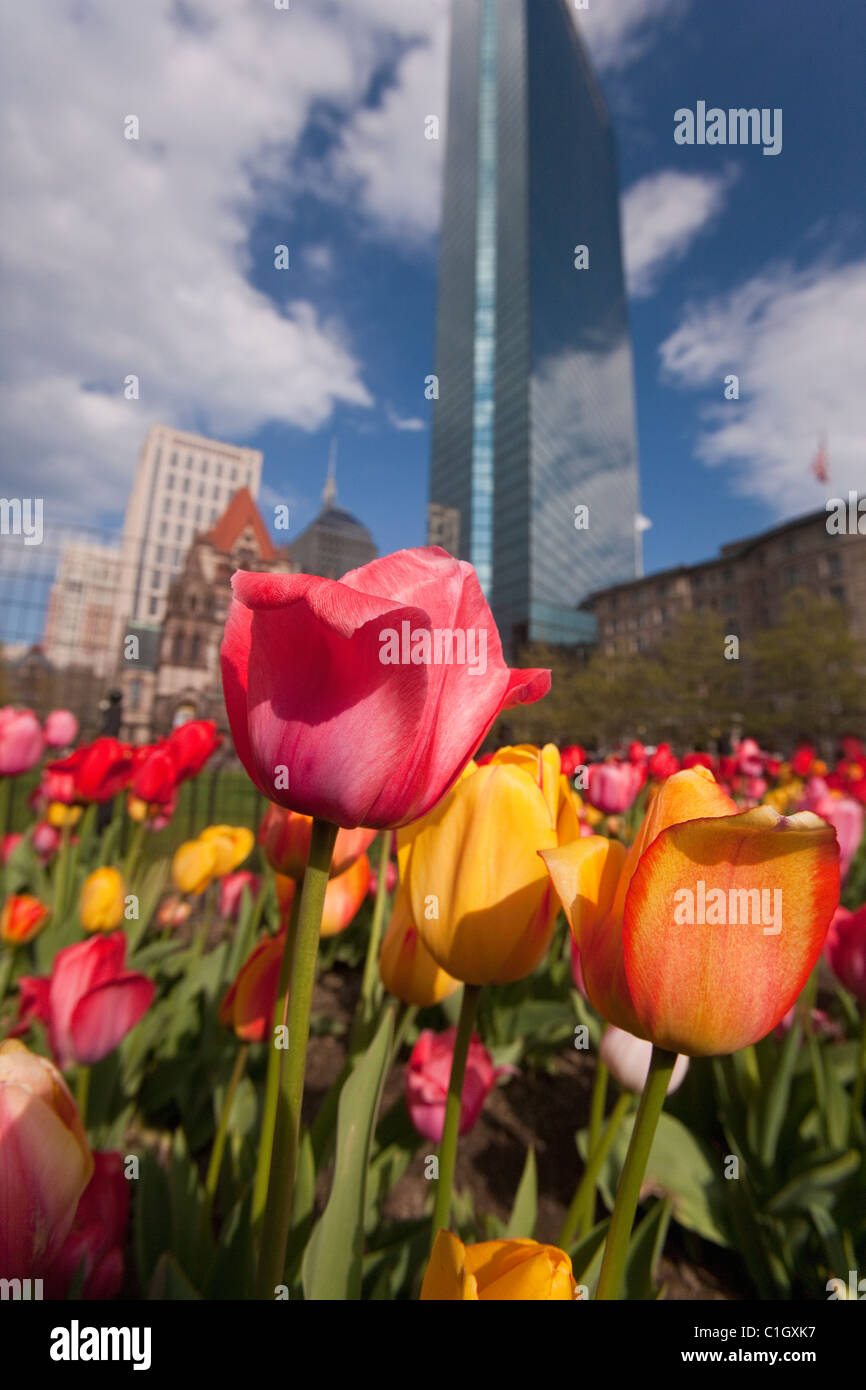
[{"x": 539, "y": 1107}]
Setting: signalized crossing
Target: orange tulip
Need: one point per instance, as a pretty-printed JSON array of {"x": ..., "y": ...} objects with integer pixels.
[
  {"x": 45, "y": 1161},
  {"x": 248, "y": 1007},
  {"x": 285, "y": 838},
  {"x": 407, "y": 968},
  {"x": 343, "y": 896},
  {"x": 22, "y": 918},
  {"x": 497, "y": 1271},
  {"x": 701, "y": 936}
]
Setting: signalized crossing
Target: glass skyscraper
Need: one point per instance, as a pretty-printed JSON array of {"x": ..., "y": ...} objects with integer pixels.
[{"x": 534, "y": 421}]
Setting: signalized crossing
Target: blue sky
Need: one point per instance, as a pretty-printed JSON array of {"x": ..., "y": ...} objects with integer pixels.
[{"x": 305, "y": 128}]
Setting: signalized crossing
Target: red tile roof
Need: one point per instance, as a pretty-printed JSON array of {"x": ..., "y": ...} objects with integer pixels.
[{"x": 240, "y": 513}]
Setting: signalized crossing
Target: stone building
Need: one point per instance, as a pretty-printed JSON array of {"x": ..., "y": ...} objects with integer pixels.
[
  {"x": 746, "y": 584},
  {"x": 176, "y": 674},
  {"x": 335, "y": 542}
]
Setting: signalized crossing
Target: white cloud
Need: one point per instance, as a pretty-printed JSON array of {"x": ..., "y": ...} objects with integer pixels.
[
  {"x": 128, "y": 256},
  {"x": 662, "y": 215},
  {"x": 412, "y": 423},
  {"x": 619, "y": 32},
  {"x": 795, "y": 340}
]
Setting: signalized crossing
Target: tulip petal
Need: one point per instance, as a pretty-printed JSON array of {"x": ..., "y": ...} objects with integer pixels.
[
  {"x": 446, "y": 1279},
  {"x": 106, "y": 1013},
  {"x": 707, "y": 989}
]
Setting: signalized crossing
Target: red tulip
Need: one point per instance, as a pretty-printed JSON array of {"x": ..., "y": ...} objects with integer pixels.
[
  {"x": 61, "y": 728},
  {"x": 699, "y": 759},
  {"x": 89, "y": 1002},
  {"x": 390, "y": 880},
  {"x": 636, "y": 752},
  {"x": 191, "y": 745},
  {"x": 571, "y": 758},
  {"x": 20, "y": 741},
  {"x": 663, "y": 764},
  {"x": 99, "y": 770},
  {"x": 155, "y": 778},
  {"x": 802, "y": 760},
  {"x": 614, "y": 786},
  {"x": 95, "y": 1243},
  {"x": 428, "y": 1073},
  {"x": 845, "y": 950},
  {"x": 327, "y": 714}
]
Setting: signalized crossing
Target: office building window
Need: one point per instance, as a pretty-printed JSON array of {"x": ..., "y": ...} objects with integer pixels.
[
  {"x": 156, "y": 581},
  {"x": 181, "y": 511},
  {"x": 174, "y": 460},
  {"x": 153, "y": 606},
  {"x": 178, "y": 535},
  {"x": 169, "y": 482}
]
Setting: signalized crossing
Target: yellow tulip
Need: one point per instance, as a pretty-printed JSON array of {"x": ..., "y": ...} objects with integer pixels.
[
  {"x": 102, "y": 900},
  {"x": 513, "y": 1271},
  {"x": 407, "y": 968},
  {"x": 473, "y": 875},
  {"x": 194, "y": 865},
  {"x": 59, "y": 814},
  {"x": 232, "y": 844}
]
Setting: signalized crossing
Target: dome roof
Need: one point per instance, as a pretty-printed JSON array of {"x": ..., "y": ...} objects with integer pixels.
[{"x": 342, "y": 523}]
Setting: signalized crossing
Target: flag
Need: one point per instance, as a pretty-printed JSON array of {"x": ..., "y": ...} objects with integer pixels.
[{"x": 820, "y": 464}]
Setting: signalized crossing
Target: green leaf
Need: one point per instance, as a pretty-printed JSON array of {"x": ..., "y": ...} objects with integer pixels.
[
  {"x": 586, "y": 1256},
  {"x": 644, "y": 1252},
  {"x": 801, "y": 1190},
  {"x": 170, "y": 1282},
  {"x": 332, "y": 1265},
  {"x": 525, "y": 1209},
  {"x": 152, "y": 1218},
  {"x": 679, "y": 1166}
]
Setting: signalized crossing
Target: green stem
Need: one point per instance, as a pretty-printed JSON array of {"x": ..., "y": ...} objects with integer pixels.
[
  {"x": 82, "y": 1090},
  {"x": 219, "y": 1143},
  {"x": 278, "y": 1212},
  {"x": 580, "y": 1212},
  {"x": 7, "y": 965},
  {"x": 362, "y": 1025},
  {"x": 5, "y": 821},
  {"x": 628, "y": 1191},
  {"x": 856, "y": 1110},
  {"x": 275, "y": 1066},
  {"x": 448, "y": 1147},
  {"x": 404, "y": 1017},
  {"x": 61, "y": 875},
  {"x": 596, "y": 1116},
  {"x": 207, "y": 920},
  {"x": 134, "y": 854}
]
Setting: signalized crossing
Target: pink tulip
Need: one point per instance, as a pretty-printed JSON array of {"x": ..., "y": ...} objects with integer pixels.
[
  {"x": 427, "y": 1075},
  {"x": 614, "y": 786},
  {"x": 61, "y": 728},
  {"x": 9, "y": 845},
  {"x": 45, "y": 1161},
  {"x": 46, "y": 838},
  {"x": 842, "y": 812},
  {"x": 89, "y": 1002},
  {"x": 845, "y": 950},
  {"x": 750, "y": 759},
  {"x": 97, "y": 1237},
  {"x": 628, "y": 1059},
  {"x": 390, "y": 880},
  {"x": 20, "y": 741},
  {"x": 340, "y": 699},
  {"x": 231, "y": 890}
]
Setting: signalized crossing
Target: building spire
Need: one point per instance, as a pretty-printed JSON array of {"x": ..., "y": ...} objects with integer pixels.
[{"x": 329, "y": 494}]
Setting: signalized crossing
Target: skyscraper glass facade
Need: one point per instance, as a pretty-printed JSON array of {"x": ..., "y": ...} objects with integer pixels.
[{"x": 535, "y": 416}]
